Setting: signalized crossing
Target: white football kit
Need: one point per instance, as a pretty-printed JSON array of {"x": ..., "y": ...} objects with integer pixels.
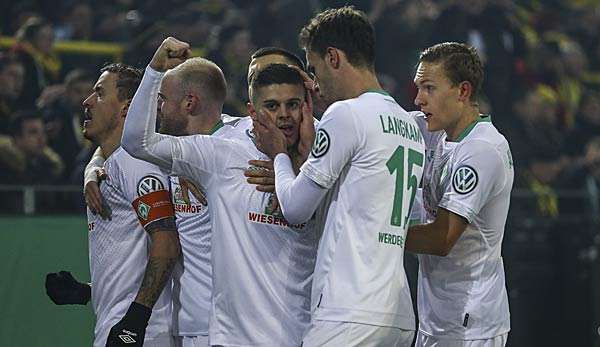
[
  {"x": 118, "y": 248},
  {"x": 369, "y": 154},
  {"x": 262, "y": 267},
  {"x": 462, "y": 296}
]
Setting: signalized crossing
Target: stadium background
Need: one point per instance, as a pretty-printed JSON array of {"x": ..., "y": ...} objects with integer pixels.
[{"x": 542, "y": 88}]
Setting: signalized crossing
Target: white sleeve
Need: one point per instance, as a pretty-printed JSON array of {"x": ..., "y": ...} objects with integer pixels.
[
  {"x": 139, "y": 135},
  {"x": 298, "y": 196},
  {"x": 478, "y": 173},
  {"x": 96, "y": 162},
  {"x": 335, "y": 144}
]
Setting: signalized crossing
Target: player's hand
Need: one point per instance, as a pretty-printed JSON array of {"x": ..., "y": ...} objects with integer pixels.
[
  {"x": 131, "y": 329},
  {"x": 64, "y": 289},
  {"x": 188, "y": 186},
  {"x": 260, "y": 173},
  {"x": 93, "y": 197},
  {"x": 268, "y": 137},
  {"x": 169, "y": 54},
  {"x": 307, "y": 131},
  {"x": 318, "y": 105}
]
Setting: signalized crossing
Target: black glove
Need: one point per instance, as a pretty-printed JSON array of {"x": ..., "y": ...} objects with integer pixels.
[
  {"x": 63, "y": 288},
  {"x": 130, "y": 330}
]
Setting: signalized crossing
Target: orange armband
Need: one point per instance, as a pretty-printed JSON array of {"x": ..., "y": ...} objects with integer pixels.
[{"x": 153, "y": 206}]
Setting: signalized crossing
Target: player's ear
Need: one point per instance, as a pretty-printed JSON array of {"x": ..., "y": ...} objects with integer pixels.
[
  {"x": 465, "y": 90},
  {"x": 332, "y": 57},
  {"x": 191, "y": 102},
  {"x": 251, "y": 110},
  {"x": 125, "y": 109}
]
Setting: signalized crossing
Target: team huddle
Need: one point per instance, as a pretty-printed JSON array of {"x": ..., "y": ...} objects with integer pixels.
[{"x": 276, "y": 229}]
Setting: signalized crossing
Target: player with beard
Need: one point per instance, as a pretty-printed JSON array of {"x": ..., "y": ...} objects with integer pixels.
[{"x": 130, "y": 309}]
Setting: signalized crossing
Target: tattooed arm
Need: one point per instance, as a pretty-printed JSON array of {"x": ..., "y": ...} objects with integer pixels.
[{"x": 164, "y": 253}]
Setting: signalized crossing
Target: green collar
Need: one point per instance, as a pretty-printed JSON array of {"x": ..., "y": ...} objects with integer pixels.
[
  {"x": 216, "y": 127},
  {"x": 482, "y": 118},
  {"x": 378, "y": 91}
]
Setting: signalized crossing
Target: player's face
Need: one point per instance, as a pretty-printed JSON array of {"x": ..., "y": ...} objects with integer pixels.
[
  {"x": 173, "y": 120},
  {"x": 437, "y": 97},
  {"x": 260, "y": 63},
  {"x": 283, "y": 103},
  {"x": 323, "y": 77},
  {"x": 102, "y": 108}
]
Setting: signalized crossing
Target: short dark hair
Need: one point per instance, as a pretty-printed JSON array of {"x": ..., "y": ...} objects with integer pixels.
[
  {"x": 261, "y": 52},
  {"x": 22, "y": 116},
  {"x": 344, "y": 28},
  {"x": 460, "y": 62},
  {"x": 276, "y": 74},
  {"x": 128, "y": 79}
]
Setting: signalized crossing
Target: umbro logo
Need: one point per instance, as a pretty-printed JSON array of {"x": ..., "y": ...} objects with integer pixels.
[
  {"x": 321, "y": 145},
  {"x": 149, "y": 184},
  {"x": 464, "y": 180},
  {"x": 127, "y": 337}
]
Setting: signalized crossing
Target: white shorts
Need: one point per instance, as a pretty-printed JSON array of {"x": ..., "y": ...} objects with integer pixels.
[
  {"x": 161, "y": 340},
  {"x": 424, "y": 340},
  {"x": 335, "y": 334},
  {"x": 191, "y": 341}
]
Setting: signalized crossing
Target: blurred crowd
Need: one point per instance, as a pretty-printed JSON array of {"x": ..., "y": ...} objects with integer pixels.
[{"x": 542, "y": 61}]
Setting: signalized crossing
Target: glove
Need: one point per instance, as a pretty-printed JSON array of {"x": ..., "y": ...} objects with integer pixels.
[
  {"x": 131, "y": 329},
  {"x": 63, "y": 288}
]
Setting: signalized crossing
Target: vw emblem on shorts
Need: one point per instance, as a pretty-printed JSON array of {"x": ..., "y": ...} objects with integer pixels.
[
  {"x": 321, "y": 145},
  {"x": 464, "y": 180},
  {"x": 149, "y": 184}
]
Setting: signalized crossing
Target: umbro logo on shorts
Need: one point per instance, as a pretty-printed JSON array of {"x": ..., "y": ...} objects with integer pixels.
[
  {"x": 464, "y": 180},
  {"x": 321, "y": 145},
  {"x": 127, "y": 338},
  {"x": 149, "y": 184}
]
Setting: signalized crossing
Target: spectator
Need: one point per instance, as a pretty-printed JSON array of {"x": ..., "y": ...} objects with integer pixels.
[
  {"x": 64, "y": 118},
  {"x": 35, "y": 40},
  {"x": 11, "y": 80},
  {"x": 25, "y": 157}
]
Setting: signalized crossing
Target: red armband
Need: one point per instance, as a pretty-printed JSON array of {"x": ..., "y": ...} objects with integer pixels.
[{"x": 153, "y": 206}]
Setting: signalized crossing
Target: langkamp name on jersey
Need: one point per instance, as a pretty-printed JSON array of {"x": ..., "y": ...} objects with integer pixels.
[
  {"x": 393, "y": 125},
  {"x": 270, "y": 219}
]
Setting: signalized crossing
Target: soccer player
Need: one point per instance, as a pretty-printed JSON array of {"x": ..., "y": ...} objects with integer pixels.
[
  {"x": 262, "y": 265},
  {"x": 192, "y": 283},
  {"x": 365, "y": 165},
  {"x": 467, "y": 181},
  {"x": 130, "y": 305}
]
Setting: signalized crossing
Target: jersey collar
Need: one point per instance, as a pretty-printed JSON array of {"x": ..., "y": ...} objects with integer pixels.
[
  {"x": 483, "y": 118},
  {"x": 378, "y": 91},
  {"x": 216, "y": 127}
]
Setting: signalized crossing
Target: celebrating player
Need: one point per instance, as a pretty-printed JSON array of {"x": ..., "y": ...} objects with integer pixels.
[
  {"x": 365, "y": 164},
  {"x": 467, "y": 181},
  {"x": 262, "y": 265},
  {"x": 130, "y": 309}
]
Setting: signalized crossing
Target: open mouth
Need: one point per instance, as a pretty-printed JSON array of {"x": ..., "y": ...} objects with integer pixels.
[
  {"x": 87, "y": 117},
  {"x": 427, "y": 115},
  {"x": 287, "y": 129}
]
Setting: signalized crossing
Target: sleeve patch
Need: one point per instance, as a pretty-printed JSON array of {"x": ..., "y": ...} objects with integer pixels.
[
  {"x": 153, "y": 206},
  {"x": 321, "y": 144},
  {"x": 149, "y": 184},
  {"x": 465, "y": 179}
]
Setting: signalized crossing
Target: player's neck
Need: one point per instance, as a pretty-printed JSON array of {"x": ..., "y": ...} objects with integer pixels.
[
  {"x": 110, "y": 144},
  {"x": 468, "y": 117},
  {"x": 203, "y": 125},
  {"x": 360, "y": 81}
]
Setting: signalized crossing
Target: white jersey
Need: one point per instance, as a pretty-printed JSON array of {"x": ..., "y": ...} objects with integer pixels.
[
  {"x": 369, "y": 152},
  {"x": 192, "y": 282},
  {"x": 118, "y": 248},
  {"x": 262, "y": 268},
  {"x": 463, "y": 295}
]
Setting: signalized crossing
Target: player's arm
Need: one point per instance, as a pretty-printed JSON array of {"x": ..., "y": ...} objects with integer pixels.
[
  {"x": 139, "y": 136},
  {"x": 436, "y": 238},
  {"x": 92, "y": 175},
  {"x": 156, "y": 214},
  {"x": 299, "y": 196}
]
